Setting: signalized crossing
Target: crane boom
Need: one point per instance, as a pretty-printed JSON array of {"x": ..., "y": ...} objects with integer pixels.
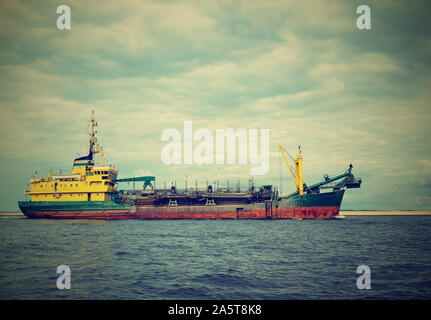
[
  {"x": 146, "y": 179},
  {"x": 349, "y": 181},
  {"x": 287, "y": 162}
]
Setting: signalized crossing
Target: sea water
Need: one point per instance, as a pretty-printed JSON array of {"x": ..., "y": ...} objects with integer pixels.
[{"x": 216, "y": 259}]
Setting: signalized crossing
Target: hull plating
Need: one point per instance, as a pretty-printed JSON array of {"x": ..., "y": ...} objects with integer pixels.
[{"x": 314, "y": 206}]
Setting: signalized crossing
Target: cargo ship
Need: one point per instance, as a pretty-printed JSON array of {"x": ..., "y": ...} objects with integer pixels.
[{"x": 91, "y": 191}]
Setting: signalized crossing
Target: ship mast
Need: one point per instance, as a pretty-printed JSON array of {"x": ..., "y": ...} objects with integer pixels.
[{"x": 95, "y": 148}]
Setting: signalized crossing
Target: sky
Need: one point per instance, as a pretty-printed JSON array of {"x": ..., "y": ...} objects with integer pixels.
[{"x": 301, "y": 69}]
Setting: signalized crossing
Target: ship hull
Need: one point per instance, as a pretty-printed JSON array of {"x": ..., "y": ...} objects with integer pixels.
[{"x": 309, "y": 206}]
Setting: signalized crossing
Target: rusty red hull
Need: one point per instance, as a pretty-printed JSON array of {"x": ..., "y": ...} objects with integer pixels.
[
  {"x": 222, "y": 212},
  {"x": 233, "y": 213},
  {"x": 172, "y": 213},
  {"x": 319, "y": 206}
]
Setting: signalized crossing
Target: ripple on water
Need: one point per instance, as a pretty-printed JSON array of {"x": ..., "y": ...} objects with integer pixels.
[{"x": 216, "y": 259}]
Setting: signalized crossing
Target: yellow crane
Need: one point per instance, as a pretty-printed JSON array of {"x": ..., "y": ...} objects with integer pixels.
[{"x": 297, "y": 171}]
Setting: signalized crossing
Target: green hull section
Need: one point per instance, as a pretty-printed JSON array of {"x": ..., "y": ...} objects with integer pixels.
[
  {"x": 327, "y": 199},
  {"x": 70, "y": 206}
]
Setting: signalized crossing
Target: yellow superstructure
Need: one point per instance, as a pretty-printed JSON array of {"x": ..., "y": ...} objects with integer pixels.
[{"x": 86, "y": 182}]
